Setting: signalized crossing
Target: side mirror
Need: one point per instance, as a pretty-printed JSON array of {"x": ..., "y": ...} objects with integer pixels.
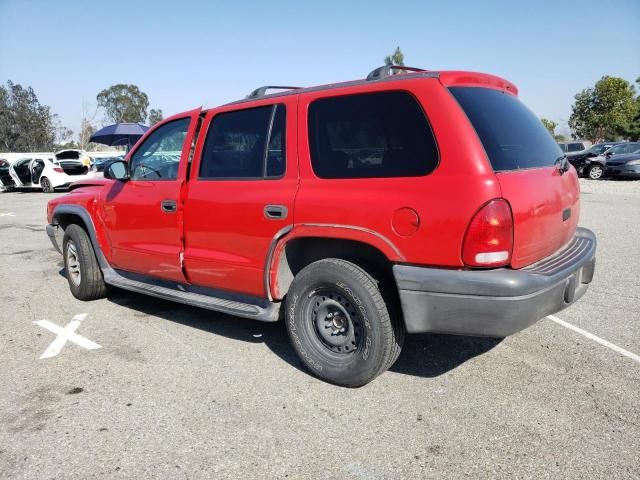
[{"x": 118, "y": 170}]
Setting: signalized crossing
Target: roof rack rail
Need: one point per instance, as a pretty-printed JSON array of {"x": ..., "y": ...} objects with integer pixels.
[
  {"x": 388, "y": 70},
  {"x": 262, "y": 91}
]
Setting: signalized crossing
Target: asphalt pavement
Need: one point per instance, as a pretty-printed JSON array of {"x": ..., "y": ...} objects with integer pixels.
[{"x": 179, "y": 392}]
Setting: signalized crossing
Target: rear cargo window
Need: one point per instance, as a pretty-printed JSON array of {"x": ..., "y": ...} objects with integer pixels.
[
  {"x": 513, "y": 137},
  {"x": 373, "y": 135}
]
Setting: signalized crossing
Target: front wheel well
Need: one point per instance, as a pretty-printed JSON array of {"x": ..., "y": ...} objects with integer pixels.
[
  {"x": 300, "y": 252},
  {"x": 66, "y": 219}
]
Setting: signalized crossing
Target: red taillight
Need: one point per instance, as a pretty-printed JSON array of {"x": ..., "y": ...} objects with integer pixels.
[
  {"x": 489, "y": 238},
  {"x": 58, "y": 169}
]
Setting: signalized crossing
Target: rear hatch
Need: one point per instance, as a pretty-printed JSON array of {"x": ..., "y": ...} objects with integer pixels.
[
  {"x": 73, "y": 167},
  {"x": 544, "y": 200},
  {"x": 71, "y": 162}
]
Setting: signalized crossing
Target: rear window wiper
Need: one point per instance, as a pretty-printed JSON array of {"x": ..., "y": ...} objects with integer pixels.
[{"x": 563, "y": 163}]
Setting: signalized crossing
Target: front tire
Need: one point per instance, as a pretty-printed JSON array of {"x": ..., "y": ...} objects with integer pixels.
[
  {"x": 595, "y": 172},
  {"x": 46, "y": 185},
  {"x": 339, "y": 323},
  {"x": 83, "y": 272}
]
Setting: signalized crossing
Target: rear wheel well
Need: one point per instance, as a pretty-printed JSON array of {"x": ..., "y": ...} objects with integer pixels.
[{"x": 300, "y": 252}]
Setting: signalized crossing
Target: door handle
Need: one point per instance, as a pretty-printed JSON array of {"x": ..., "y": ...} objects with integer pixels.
[
  {"x": 275, "y": 212},
  {"x": 168, "y": 206}
]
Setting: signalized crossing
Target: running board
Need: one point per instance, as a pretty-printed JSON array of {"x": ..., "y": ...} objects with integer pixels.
[{"x": 233, "y": 304}]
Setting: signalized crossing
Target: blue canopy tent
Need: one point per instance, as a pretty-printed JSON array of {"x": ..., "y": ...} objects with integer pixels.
[{"x": 119, "y": 134}]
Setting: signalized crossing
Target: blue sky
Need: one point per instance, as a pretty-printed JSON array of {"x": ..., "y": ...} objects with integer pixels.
[{"x": 185, "y": 53}]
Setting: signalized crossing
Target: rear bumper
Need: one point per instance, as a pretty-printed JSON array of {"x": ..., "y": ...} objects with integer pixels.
[{"x": 495, "y": 303}]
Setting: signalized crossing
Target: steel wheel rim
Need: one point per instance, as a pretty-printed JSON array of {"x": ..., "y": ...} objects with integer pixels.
[
  {"x": 595, "y": 172},
  {"x": 335, "y": 321},
  {"x": 73, "y": 263}
]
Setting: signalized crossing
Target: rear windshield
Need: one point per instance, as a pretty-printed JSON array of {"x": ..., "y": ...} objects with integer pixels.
[{"x": 513, "y": 137}]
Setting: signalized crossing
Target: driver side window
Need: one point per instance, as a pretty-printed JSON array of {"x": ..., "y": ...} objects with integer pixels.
[{"x": 158, "y": 157}]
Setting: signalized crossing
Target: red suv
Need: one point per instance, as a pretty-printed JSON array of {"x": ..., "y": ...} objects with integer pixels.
[{"x": 413, "y": 202}]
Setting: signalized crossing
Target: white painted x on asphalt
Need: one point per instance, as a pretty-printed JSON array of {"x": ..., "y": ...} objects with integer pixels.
[{"x": 65, "y": 334}]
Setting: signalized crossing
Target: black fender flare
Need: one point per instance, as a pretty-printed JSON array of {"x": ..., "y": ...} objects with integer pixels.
[{"x": 83, "y": 214}]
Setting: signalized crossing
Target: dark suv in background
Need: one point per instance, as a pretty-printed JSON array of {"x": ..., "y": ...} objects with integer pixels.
[
  {"x": 574, "y": 147},
  {"x": 589, "y": 163}
]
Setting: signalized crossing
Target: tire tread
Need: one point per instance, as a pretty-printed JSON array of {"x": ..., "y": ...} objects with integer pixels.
[
  {"x": 393, "y": 331},
  {"x": 92, "y": 284}
]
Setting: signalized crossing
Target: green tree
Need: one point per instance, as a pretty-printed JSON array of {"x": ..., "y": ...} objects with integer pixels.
[
  {"x": 397, "y": 58},
  {"x": 124, "y": 103},
  {"x": 603, "y": 111},
  {"x": 549, "y": 125},
  {"x": 155, "y": 115},
  {"x": 25, "y": 124},
  {"x": 632, "y": 131}
]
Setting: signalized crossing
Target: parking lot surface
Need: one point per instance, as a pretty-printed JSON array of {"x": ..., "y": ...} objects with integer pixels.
[{"x": 180, "y": 392}]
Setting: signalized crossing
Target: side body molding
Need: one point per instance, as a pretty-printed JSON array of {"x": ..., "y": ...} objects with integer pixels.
[
  {"x": 217, "y": 300},
  {"x": 276, "y": 267}
]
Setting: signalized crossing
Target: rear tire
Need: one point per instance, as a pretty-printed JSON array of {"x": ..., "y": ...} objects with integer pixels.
[
  {"x": 595, "y": 172},
  {"x": 83, "y": 272},
  {"x": 339, "y": 323},
  {"x": 45, "y": 183}
]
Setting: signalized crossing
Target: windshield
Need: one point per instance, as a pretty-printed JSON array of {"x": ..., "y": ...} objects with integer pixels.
[{"x": 513, "y": 137}]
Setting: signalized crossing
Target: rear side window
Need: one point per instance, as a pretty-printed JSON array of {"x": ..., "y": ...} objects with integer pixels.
[
  {"x": 513, "y": 137},
  {"x": 245, "y": 144},
  {"x": 373, "y": 135},
  {"x": 576, "y": 147}
]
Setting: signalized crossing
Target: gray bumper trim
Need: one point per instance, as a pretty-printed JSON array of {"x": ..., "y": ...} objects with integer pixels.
[{"x": 496, "y": 302}]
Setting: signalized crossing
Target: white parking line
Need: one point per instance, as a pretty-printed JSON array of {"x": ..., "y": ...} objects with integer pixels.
[{"x": 595, "y": 338}]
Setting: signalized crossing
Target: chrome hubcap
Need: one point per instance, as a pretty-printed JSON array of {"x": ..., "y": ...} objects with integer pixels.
[
  {"x": 596, "y": 172},
  {"x": 73, "y": 263}
]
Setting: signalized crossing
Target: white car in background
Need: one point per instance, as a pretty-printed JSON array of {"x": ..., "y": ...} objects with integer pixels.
[{"x": 46, "y": 173}]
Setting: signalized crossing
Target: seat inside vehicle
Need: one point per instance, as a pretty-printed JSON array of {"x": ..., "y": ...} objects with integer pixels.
[{"x": 37, "y": 169}]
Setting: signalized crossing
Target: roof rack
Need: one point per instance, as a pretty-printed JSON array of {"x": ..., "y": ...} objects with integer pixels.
[
  {"x": 262, "y": 91},
  {"x": 388, "y": 70}
]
